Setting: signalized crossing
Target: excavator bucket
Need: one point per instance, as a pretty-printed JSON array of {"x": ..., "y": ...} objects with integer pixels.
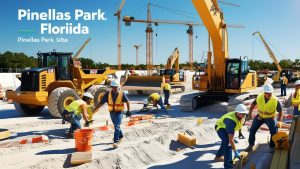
[{"x": 143, "y": 83}]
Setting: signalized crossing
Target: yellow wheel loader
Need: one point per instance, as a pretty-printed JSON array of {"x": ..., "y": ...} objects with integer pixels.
[{"x": 56, "y": 82}]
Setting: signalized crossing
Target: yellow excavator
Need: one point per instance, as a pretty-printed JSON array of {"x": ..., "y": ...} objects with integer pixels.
[
  {"x": 56, "y": 82},
  {"x": 148, "y": 84},
  {"x": 288, "y": 73},
  {"x": 227, "y": 78}
]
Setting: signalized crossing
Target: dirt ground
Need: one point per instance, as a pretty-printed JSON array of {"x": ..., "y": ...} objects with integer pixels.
[{"x": 146, "y": 145}]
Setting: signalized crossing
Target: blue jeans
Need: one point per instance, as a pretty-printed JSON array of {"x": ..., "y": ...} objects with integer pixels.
[
  {"x": 160, "y": 103},
  {"x": 75, "y": 123},
  {"x": 225, "y": 149},
  {"x": 270, "y": 122},
  {"x": 283, "y": 89},
  {"x": 167, "y": 95},
  {"x": 116, "y": 118},
  {"x": 296, "y": 111}
]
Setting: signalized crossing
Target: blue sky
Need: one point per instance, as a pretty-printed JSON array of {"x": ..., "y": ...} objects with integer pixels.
[{"x": 277, "y": 20}]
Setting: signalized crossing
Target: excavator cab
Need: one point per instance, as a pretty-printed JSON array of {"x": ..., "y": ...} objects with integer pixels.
[
  {"x": 236, "y": 72},
  {"x": 59, "y": 61}
]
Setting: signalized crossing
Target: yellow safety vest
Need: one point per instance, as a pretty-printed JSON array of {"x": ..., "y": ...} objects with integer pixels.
[
  {"x": 231, "y": 115},
  {"x": 296, "y": 101},
  {"x": 155, "y": 96},
  {"x": 90, "y": 110},
  {"x": 167, "y": 86},
  {"x": 266, "y": 110},
  {"x": 75, "y": 107},
  {"x": 118, "y": 106}
]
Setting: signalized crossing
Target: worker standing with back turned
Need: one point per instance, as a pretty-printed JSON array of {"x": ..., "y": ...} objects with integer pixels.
[
  {"x": 283, "y": 83},
  {"x": 167, "y": 92},
  {"x": 115, "y": 100},
  {"x": 296, "y": 98},
  {"x": 225, "y": 127},
  {"x": 267, "y": 105}
]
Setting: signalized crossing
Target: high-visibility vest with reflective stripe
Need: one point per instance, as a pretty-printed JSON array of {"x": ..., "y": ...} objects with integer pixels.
[
  {"x": 118, "y": 106},
  {"x": 296, "y": 100},
  {"x": 167, "y": 86},
  {"x": 155, "y": 96},
  {"x": 266, "y": 110},
  {"x": 75, "y": 107},
  {"x": 231, "y": 115}
]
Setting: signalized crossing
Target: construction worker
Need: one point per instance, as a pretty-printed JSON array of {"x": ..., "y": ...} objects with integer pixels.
[
  {"x": 283, "y": 84},
  {"x": 167, "y": 92},
  {"x": 225, "y": 127},
  {"x": 155, "y": 99},
  {"x": 115, "y": 100},
  {"x": 267, "y": 105},
  {"x": 74, "y": 112},
  {"x": 296, "y": 98}
]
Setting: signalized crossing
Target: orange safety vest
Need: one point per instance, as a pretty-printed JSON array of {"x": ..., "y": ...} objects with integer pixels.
[{"x": 117, "y": 106}]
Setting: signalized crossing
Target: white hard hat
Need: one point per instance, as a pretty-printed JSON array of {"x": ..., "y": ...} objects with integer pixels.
[
  {"x": 283, "y": 73},
  {"x": 268, "y": 88},
  {"x": 241, "y": 108},
  {"x": 145, "y": 101},
  {"x": 297, "y": 83},
  {"x": 114, "y": 83},
  {"x": 88, "y": 94}
]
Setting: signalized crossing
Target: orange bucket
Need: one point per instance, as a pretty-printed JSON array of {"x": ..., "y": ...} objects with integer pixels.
[{"x": 83, "y": 139}]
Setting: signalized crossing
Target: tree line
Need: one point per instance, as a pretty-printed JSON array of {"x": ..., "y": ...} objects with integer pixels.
[{"x": 20, "y": 60}]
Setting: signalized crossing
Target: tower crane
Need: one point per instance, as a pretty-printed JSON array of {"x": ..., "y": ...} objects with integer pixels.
[
  {"x": 118, "y": 14},
  {"x": 149, "y": 36}
]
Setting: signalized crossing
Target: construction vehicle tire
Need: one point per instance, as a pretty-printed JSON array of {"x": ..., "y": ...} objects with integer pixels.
[
  {"x": 59, "y": 98},
  {"x": 26, "y": 108},
  {"x": 93, "y": 89},
  {"x": 99, "y": 94}
]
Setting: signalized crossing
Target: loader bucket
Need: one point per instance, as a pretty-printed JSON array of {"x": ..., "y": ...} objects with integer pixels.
[{"x": 143, "y": 83}]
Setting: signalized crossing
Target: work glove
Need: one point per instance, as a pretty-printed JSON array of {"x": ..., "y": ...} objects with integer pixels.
[
  {"x": 128, "y": 114},
  {"x": 279, "y": 124},
  {"x": 88, "y": 123},
  {"x": 236, "y": 154}
]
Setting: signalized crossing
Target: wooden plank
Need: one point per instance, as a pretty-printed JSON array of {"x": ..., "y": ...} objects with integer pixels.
[
  {"x": 275, "y": 159},
  {"x": 81, "y": 157},
  {"x": 4, "y": 133},
  {"x": 283, "y": 159},
  {"x": 294, "y": 152},
  {"x": 239, "y": 163},
  {"x": 186, "y": 139}
]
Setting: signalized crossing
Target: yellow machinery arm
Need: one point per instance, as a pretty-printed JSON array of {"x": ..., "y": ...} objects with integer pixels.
[
  {"x": 270, "y": 52},
  {"x": 81, "y": 48},
  {"x": 212, "y": 18},
  {"x": 173, "y": 59}
]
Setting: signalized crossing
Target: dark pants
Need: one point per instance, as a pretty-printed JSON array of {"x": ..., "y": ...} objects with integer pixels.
[
  {"x": 283, "y": 89},
  {"x": 167, "y": 95},
  {"x": 75, "y": 123},
  {"x": 225, "y": 149},
  {"x": 116, "y": 118},
  {"x": 270, "y": 122},
  {"x": 160, "y": 102},
  {"x": 296, "y": 111}
]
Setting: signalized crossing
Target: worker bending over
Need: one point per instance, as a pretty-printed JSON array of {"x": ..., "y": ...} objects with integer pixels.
[
  {"x": 267, "y": 105},
  {"x": 225, "y": 127},
  {"x": 155, "y": 99},
  {"x": 74, "y": 112},
  {"x": 167, "y": 92},
  {"x": 296, "y": 98},
  {"x": 115, "y": 100}
]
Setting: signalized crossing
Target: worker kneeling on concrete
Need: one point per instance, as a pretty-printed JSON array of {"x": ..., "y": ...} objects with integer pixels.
[
  {"x": 225, "y": 127},
  {"x": 115, "y": 100},
  {"x": 74, "y": 112},
  {"x": 155, "y": 99},
  {"x": 296, "y": 98},
  {"x": 267, "y": 105},
  {"x": 167, "y": 92}
]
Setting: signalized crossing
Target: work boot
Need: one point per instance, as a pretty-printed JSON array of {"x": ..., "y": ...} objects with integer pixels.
[
  {"x": 69, "y": 136},
  {"x": 249, "y": 148},
  {"x": 219, "y": 159}
]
